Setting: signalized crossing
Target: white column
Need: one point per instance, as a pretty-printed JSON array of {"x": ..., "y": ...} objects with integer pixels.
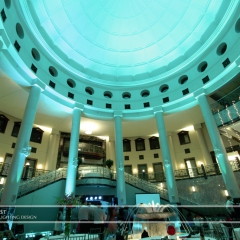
[
  {"x": 171, "y": 183},
  {"x": 172, "y": 153},
  {"x": 1, "y": 46},
  {"x": 202, "y": 143},
  {"x": 51, "y": 158},
  {"x": 22, "y": 149},
  {"x": 73, "y": 153},
  {"x": 121, "y": 191},
  {"x": 219, "y": 149}
]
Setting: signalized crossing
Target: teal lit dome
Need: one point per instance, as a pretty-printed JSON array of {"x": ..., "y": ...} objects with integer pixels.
[
  {"x": 131, "y": 56},
  {"x": 124, "y": 42}
]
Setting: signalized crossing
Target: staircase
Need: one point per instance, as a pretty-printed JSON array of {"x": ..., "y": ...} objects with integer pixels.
[
  {"x": 95, "y": 175},
  {"x": 41, "y": 181}
]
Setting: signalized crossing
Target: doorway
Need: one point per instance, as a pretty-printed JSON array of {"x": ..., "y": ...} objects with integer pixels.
[
  {"x": 128, "y": 169},
  {"x": 6, "y": 164},
  {"x": 29, "y": 168},
  {"x": 191, "y": 167},
  {"x": 158, "y": 171},
  {"x": 142, "y": 171}
]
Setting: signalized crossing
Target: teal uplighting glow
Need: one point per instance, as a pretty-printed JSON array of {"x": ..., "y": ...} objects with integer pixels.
[{"x": 117, "y": 39}]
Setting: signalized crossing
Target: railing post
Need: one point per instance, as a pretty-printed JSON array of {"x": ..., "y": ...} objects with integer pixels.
[{"x": 204, "y": 172}]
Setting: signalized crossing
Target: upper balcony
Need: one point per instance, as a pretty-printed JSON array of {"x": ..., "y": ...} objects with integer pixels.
[{"x": 226, "y": 110}]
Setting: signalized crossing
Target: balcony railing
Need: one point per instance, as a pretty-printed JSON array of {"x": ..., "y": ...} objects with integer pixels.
[
  {"x": 227, "y": 101},
  {"x": 98, "y": 171},
  {"x": 87, "y": 150},
  {"x": 28, "y": 172},
  {"x": 101, "y": 175}
]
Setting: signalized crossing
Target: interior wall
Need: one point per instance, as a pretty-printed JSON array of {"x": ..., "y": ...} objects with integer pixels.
[
  {"x": 6, "y": 141},
  {"x": 47, "y": 199}
]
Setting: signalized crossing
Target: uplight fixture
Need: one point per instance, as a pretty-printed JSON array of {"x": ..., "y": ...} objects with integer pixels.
[
  {"x": 39, "y": 166},
  {"x": 2, "y": 181},
  {"x": 193, "y": 189},
  {"x": 88, "y": 132},
  {"x": 226, "y": 193}
]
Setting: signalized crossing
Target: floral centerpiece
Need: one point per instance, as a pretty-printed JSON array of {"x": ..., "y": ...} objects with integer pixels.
[{"x": 68, "y": 201}]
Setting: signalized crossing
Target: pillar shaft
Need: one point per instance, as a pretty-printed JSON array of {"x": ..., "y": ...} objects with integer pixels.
[
  {"x": 50, "y": 159},
  {"x": 73, "y": 153},
  {"x": 171, "y": 183},
  {"x": 219, "y": 149},
  {"x": 172, "y": 153},
  {"x": 22, "y": 149},
  {"x": 121, "y": 191},
  {"x": 203, "y": 145}
]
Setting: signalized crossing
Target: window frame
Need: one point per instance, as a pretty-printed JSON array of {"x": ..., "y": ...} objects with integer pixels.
[
  {"x": 182, "y": 139},
  {"x": 3, "y": 123},
  {"x": 140, "y": 144},
  {"x": 36, "y": 135},
  {"x": 16, "y": 129},
  {"x": 126, "y": 145},
  {"x": 154, "y": 143}
]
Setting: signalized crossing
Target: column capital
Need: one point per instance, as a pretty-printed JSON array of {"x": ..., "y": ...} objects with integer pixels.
[
  {"x": 118, "y": 113},
  {"x": 197, "y": 126},
  {"x": 199, "y": 92},
  {"x": 79, "y": 106},
  {"x": 37, "y": 82},
  {"x": 55, "y": 131},
  {"x": 157, "y": 109}
]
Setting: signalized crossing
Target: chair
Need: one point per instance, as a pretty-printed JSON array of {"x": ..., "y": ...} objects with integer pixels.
[
  {"x": 21, "y": 236},
  {"x": 77, "y": 237},
  {"x": 9, "y": 234},
  {"x": 218, "y": 232},
  {"x": 1, "y": 235},
  {"x": 125, "y": 235},
  {"x": 93, "y": 232}
]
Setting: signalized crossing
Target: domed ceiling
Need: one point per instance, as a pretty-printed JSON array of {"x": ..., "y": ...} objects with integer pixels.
[{"x": 128, "y": 41}]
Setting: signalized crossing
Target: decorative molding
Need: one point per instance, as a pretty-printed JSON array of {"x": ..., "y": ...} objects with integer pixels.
[{"x": 26, "y": 150}]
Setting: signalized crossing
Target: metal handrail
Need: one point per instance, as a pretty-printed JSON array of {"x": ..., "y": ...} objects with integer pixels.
[
  {"x": 41, "y": 181},
  {"x": 137, "y": 180},
  {"x": 203, "y": 171},
  {"x": 226, "y": 101}
]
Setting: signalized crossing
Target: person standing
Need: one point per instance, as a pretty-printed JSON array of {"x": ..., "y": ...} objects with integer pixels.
[
  {"x": 83, "y": 218},
  {"x": 99, "y": 218},
  {"x": 74, "y": 219},
  {"x": 112, "y": 224},
  {"x": 229, "y": 207},
  {"x": 58, "y": 228}
]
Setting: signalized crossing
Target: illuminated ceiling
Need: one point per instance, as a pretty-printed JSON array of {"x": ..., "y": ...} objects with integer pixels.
[
  {"x": 128, "y": 40},
  {"x": 110, "y": 57}
]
